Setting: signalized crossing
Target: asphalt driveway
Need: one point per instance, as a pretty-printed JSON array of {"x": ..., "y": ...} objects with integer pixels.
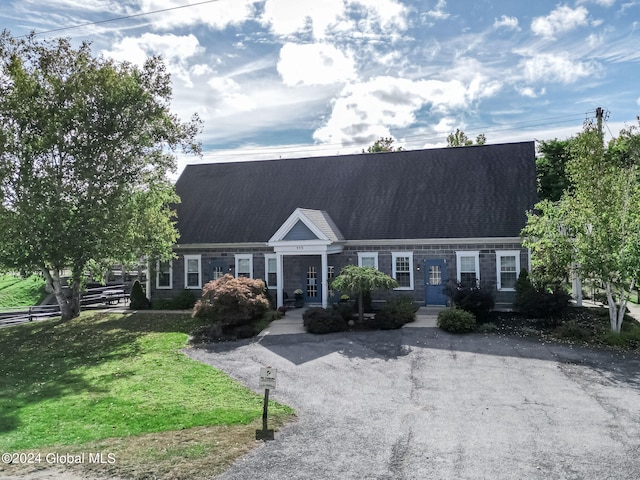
[{"x": 418, "y": 403}]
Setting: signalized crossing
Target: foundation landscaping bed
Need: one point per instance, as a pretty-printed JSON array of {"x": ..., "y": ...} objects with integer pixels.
[
  {"x": 341, "y": 317},
  {"x": 584, "y": 326}
]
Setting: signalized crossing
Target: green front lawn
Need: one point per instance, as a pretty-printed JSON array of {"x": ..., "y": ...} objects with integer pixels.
[
  {"x": 21, "y": 292},
  {"x": 111, "y": 375}
]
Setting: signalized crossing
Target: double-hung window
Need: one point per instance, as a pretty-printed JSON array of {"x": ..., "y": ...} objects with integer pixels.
[
  {"x": 192, "y": 271},
  {"x": 402, "y": 269},
  {"x": 368, "y": 259},
  {"x": 468, "y": 268},
  {"x": 244, "y": 265},
  {"x": 164, "y": 275},
  {"x": 507, "y": 268},
  {"x": 270, "y": 271}
]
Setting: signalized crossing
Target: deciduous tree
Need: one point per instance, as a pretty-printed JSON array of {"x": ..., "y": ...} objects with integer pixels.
[
  {"x": 356, "y": 280},
  {"x": 383, "y": 145},
  {"x": 85, "y": 145},
  {"x": 596, "y": 223},
  {"x": 460, "y": 139},
  {"x": 550, "y": 166}
]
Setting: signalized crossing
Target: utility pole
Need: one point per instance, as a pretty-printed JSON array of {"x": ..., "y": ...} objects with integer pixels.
[{"x": 599, "y": 116}]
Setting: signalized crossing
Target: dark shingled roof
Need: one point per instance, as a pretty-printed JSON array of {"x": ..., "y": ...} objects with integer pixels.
[{"x": 462, "y": 192}]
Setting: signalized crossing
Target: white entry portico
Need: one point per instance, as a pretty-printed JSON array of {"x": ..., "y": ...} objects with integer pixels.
[{"x": 306, "y": 232}]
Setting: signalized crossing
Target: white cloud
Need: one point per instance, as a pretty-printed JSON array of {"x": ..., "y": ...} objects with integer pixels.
[
  {"x": 595, "y": 40},
  {"x": 365, "y": 111},
  {"x": 638, "y": 101},
  {"x": 446, "y": 125},
  {"x": 510, "y": 23},
  {"x": 556, "y": 68},
  {"x": 603, "y": 3},
  {"x": 229, "y": 97},
  {"x": 200, "y": 69},
  {"x": 289, "y": 17},
  {"x": 530, "y": 92},
  {"x": 389, "y": 15},
  {"x": 286, "y": 17},
  {"x": 314, "y": 64},
  {"x": 217, "y": 15},
  {"x": 91, "y": 5},
  {"x": 562, "y": 19},
  {"x": 174, "y": 49},
  {"x": 439, "y": 13}
]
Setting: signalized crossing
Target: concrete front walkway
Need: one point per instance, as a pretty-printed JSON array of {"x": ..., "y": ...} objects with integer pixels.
[{"x": 291, "y": 323}]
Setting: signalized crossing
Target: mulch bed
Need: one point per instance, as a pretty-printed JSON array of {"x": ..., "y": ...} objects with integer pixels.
[{"x": 579, "y": 326}]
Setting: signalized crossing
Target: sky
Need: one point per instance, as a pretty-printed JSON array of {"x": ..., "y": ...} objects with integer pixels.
[{"x": 297, "y": 78}]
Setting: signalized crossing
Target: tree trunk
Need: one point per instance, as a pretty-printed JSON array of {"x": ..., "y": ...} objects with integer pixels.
[
  {"x": 616, "y": 312},
  {"x": 69, "y": 307},
  {"x": 361, "y": 307}
]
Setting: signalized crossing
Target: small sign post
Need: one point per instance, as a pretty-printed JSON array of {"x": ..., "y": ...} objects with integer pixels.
[{"x": 267, "y": 381}]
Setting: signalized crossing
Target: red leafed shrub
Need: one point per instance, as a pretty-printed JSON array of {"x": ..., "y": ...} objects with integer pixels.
[{"x": 231, "y": 301}]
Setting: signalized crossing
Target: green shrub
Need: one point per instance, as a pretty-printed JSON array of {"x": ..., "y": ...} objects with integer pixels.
[
  {"x": 396, "y": 313},
  {"x": 138, "y": 300},
  {"x": 478, "y": 301},
  {"x": 629, "y": 337},
  {"x": 487, "y": 328},
  {"x": 456, "y": 320},
  {"x": 206, "y": 334},
  {"x": 232, "y": 301},
  {"x": 346, "y": 310},
  {"x": 323, "y": 320},
  {"x": 572, "y": 330},
  {"x": 540, "y": 301},
  {"x": 185, "y": 300}
]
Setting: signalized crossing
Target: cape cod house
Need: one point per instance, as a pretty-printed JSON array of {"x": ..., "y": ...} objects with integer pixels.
[{"x": 424, "y": 217}]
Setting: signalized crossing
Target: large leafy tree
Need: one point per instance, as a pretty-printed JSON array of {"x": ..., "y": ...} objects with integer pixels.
[
  {"x": 596, "y": 224},
  {"x": 551, "y": 169},
  {"x": 85, "y": 145}
]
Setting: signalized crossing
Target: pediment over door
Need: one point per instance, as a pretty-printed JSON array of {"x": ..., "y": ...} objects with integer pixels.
[{"x": 313, "y": 229}]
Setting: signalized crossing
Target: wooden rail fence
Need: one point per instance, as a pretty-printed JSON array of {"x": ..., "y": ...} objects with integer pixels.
[{"x": 110, "y": 295}]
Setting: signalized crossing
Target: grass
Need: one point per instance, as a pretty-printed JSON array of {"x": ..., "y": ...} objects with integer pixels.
[
  {"x": 119, "y": 383},
  {"x": 16, "y": 291}
]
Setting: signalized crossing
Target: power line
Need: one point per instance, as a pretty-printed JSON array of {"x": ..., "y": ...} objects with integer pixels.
[
  {"x": 324, "y": 146},
  {"x": 298, "y": 149},
  {"x": 135, "y": 15}
]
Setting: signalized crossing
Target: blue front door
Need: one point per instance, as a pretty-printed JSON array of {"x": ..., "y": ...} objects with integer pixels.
[{"x": 435, "y": 279}]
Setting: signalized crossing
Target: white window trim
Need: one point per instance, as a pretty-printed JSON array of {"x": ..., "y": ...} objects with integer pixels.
[
  {"x": 267, "y": 257},
  {"x": 163, "y": 287},
  {"x": 468, "y": 253},
  {"x": 244, "y": 256},
  {"x": 374, "y": 255},
  {"x": 395, "y": 255},
  {"x": 186, "y": 271},
  {"x": 506, "y": 253}
]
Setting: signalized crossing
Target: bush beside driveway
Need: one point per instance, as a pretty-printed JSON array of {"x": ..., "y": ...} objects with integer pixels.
[{"x": 420, "y": 403}]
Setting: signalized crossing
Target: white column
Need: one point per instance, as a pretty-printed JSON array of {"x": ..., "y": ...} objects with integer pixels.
[
  {"x": 148, "y": 282},
  {"x": 325, "y": 283},
  {"x": 576, "y": 285},
  {"x": 279, "y": 280}
]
